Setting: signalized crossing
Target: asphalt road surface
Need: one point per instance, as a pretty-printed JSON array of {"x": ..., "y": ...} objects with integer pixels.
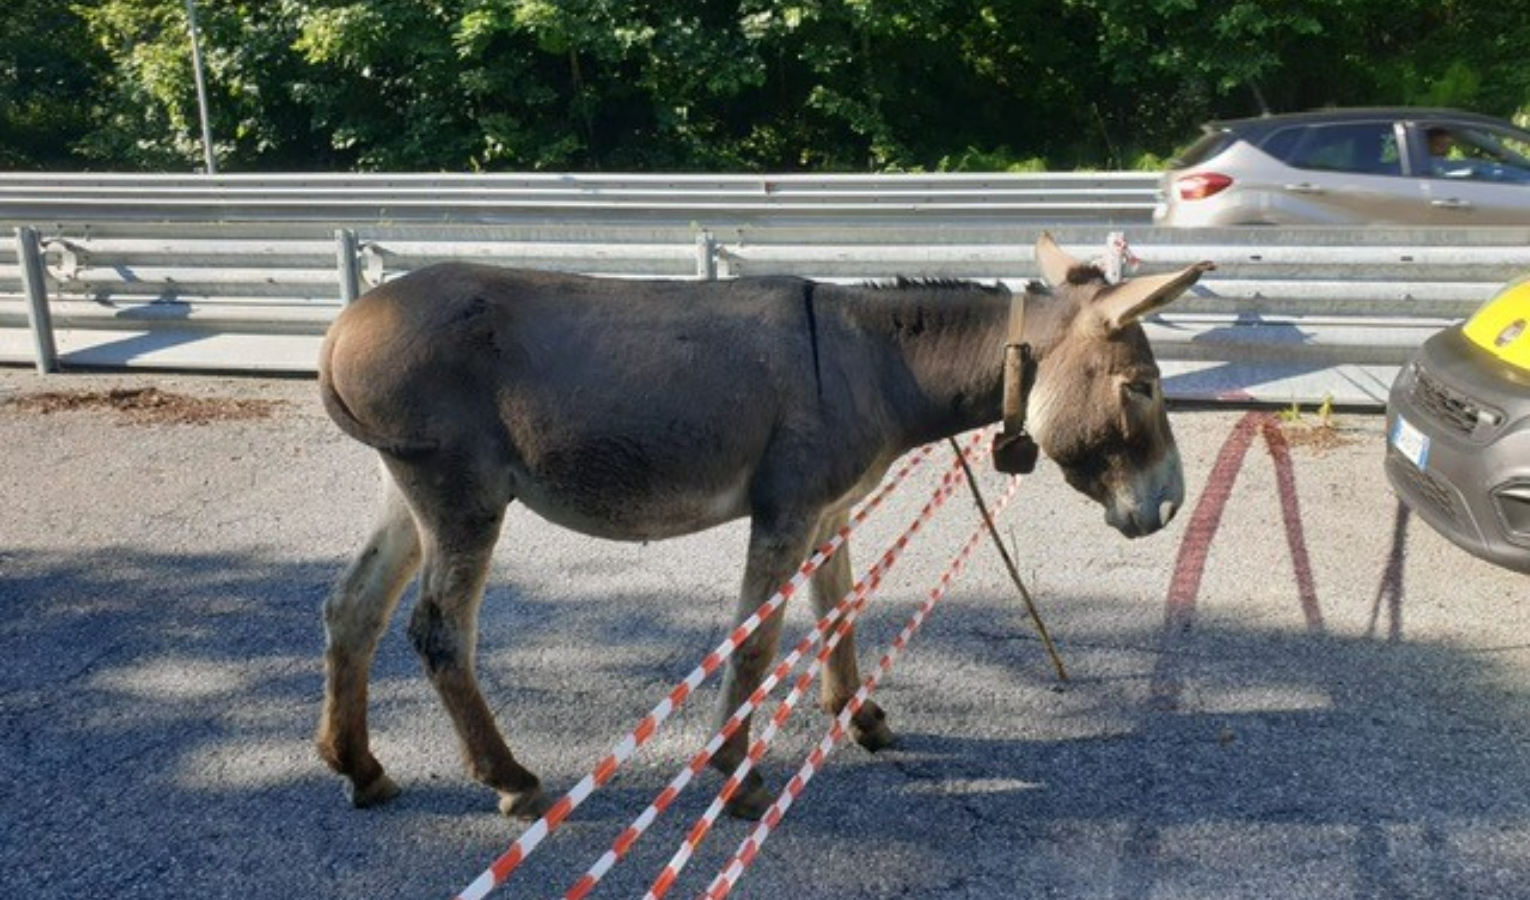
[{"x": 1292, "y": 692}]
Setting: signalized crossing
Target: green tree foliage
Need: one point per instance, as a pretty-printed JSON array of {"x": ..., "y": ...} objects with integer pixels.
[
  {"x": 662, "y": 84},
  {"x": 48, "y": 73},
  {"x": 1173, "y": 63},
  {"x": 720, "y": 85},
  {"x": 142, "y": 108}
]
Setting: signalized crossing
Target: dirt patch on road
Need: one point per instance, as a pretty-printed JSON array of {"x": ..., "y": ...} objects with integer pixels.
[
  {"x": 147, "y": 406},
  {"x": 1320, "y": 438}
]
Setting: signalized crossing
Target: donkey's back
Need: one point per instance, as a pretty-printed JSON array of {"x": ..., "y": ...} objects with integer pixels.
[
  {"x": 625, "y": 409},
  {"x": 491, "y": 328}
]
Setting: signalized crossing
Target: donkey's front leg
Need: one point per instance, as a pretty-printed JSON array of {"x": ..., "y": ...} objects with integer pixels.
[
  {"x": 841, "y": 677},
  {"x": 775, "y": 553}
]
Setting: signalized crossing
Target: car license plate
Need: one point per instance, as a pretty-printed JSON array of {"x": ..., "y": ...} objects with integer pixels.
[{"x": 1411, "y": 442}]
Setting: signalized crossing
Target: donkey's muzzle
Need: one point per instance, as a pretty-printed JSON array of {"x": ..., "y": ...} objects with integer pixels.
[
  {"x": 1140, "y": 521},
  {"x": 1150, "y": 503}
]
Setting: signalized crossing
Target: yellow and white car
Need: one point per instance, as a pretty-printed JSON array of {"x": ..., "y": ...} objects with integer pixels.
[{"x": 1458, "y": 426}]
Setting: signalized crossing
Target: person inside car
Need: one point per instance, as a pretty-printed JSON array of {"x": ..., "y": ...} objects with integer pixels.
[{"x": 1441, "y": 143}]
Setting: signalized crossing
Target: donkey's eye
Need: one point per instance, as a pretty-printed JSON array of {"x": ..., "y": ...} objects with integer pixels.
[{"x": 1138, "y": 390}]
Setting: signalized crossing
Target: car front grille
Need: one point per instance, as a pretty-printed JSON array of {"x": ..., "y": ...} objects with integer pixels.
[
  {"x": 1453, "y": 409},
  {"x": 1424, "y": 486}
]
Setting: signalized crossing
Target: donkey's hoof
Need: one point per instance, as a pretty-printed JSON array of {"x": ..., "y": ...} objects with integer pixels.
[
  {"x": 751, "y": 799},
  {"x": 527, "y": 806},
  {"x": 870, "y": 729},
  {"x": 380, "y": 791}
]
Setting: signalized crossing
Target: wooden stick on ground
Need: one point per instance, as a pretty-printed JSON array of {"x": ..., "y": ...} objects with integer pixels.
[{"x": 1009, "y": 563}]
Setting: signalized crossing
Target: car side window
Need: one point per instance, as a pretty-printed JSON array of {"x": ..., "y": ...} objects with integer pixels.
[
  {"x": 1365, "y": 148},
  {"x": 1478, "y": 154},
  {"x": 1281, "y": 143}
]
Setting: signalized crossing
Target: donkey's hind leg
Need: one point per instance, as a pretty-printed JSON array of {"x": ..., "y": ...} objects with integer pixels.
[
  {"x": 459, "y": 528},
  {"x": 841, "y": 677},
  {"x": 355, "y": 616}
]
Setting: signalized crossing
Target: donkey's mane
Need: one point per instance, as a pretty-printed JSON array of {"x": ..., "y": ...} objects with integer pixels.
[
  {"x": 1085, "y": 273},
  {"x": 903, "y": 282}
]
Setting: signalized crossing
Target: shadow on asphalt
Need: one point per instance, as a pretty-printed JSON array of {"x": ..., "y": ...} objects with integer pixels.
[{"x": 157, "y": 709}]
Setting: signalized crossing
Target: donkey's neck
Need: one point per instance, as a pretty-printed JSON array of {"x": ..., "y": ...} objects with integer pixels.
[{"x": 947, "y": 341}]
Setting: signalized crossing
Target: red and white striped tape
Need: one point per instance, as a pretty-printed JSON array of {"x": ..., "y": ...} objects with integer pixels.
[
  {"x": 749, "y": 848},
  {"x": 501, "y": 869},
  {"x": 860, "y": 596},
  {"x": 843, "y": 614},
  {"x": 848, "y": 608}
]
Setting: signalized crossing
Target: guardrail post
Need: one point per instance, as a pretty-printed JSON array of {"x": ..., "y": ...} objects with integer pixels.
[
  {"x": 34, "y": 283},
  {"x": 345, "y": 257},
  {"x": 706, "y": 256}
]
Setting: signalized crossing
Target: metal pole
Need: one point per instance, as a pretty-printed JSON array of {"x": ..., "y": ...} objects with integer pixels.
[
  {"x": 345, "y": 258},
  {"x": 706, "y": 256},
  {"x": 35, "y": 286},
  {"x": 196, "y": 68}
]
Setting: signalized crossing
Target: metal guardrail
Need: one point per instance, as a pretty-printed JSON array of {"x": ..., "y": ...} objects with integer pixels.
[
  {"x": 1290, "y": 315},
  {"x": 509, "y": 199}
]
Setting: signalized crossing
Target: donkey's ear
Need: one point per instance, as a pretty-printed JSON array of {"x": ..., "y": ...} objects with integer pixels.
[
  {"x": 1055, "y": 264},
  {"x": 1130, "y": 301}
]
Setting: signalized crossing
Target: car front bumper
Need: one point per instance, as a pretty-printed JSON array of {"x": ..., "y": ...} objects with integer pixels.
[{"x": 1458, "y": 447}]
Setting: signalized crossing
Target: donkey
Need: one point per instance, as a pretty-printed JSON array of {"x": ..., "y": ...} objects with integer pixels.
[{"x": 639, "y": 410}]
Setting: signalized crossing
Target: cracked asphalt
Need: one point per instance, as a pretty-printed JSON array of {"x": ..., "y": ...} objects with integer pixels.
[{"x": 1360, "y": 731}]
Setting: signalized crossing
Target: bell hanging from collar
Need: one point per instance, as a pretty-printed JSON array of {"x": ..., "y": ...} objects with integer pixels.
[{"x": 1015, "y": 454}]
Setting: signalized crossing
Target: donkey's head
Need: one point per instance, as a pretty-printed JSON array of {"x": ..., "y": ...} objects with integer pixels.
[{"x": 1097, "y": 406}]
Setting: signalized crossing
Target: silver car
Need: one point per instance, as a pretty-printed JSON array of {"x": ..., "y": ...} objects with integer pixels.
[{"x": 1351, "y": 167}]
